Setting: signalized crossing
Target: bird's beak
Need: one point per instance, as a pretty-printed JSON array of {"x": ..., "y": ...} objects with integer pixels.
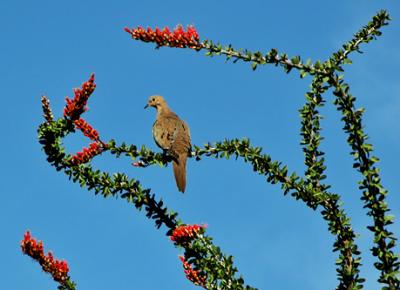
[{"x": 146, "y": 106}]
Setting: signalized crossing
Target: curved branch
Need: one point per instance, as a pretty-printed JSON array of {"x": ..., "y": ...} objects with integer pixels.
[
  {"x": 310, "y": 190},
  {"x": 258, "y": 58},
  {"x": 203, "y": 255},
  {"x": 365, "y": 35},
  {"x": 339, "y": 224},
  {"x": 374, "y": 194}
]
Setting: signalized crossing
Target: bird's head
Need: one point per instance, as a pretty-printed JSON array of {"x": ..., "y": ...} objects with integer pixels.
[{"x": 155, "y": 101}]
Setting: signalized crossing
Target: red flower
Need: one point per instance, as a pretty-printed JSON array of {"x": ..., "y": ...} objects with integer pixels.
[
  {"x": 86, "y": 154},
  {"x": 178, "y": 38},
  {"x": 56, "y": 268},
  {"x": 77, "y": 106},
  {"x": 192, "y": 275},
  {"x": 184, "y": 234},
  {"x": 86, "y": 129}
]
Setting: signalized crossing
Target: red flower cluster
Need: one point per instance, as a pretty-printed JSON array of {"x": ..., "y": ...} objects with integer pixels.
[
  {"x": 192, "y": 275},
  {"x": 86, "y": 129},
  {"x": 77, "y": 106},
  {"x": 56, "y": 268},
  {"x": 178, "y": 38},
  {"x": 73, "y": 111},
  {"x": 95, "y": 148},
  {"x": 184, "y": 234}
]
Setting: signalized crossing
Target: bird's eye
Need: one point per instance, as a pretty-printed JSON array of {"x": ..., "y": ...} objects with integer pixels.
[{"x": 153, "y": 99}]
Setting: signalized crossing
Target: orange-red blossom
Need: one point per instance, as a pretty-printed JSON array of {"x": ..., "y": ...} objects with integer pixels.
[
  {"x": 56, "y": 268},
  {"x": 75, "y": 107},
  {"x": 185, "y": 233},
  {"x": 95, "y": 148},
  {"x": 177, "y": 38},
  {"x": 86, "y": 129},
  {"x": 73, "y": 110},
  {"x": 192, "y": 275}
]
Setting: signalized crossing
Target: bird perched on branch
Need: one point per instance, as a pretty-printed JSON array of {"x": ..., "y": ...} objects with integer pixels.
[{"x": 173, "y": 136}]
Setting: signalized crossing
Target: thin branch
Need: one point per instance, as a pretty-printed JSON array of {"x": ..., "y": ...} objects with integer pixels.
[{"x": 374, "y": 194}]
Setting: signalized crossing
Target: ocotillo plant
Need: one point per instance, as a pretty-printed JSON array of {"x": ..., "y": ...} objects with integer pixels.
[{"x": 203, "y": 262}]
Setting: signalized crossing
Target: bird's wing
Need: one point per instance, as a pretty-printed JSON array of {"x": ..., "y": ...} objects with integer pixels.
[
  {"x": 172, "y": 134},
  {"x": 165, "y": 131},
  {"x": 183, "y": 138}
]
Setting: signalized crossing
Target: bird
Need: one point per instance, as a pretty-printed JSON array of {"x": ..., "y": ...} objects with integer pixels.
[{"x": 173, "y": 136}]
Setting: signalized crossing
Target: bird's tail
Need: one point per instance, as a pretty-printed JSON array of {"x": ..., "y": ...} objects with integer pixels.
[{"x": 179, "y": 166}]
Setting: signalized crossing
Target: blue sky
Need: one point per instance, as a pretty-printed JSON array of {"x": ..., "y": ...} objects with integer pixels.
[{"x": 50, "y": 47}]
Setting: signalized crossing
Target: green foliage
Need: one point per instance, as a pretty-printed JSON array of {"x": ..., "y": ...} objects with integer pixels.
[
  {"x": 208, "y": 260},
  {"x": 373, "y": 194},
  {"x": 207, "y": 257},
  {"x": 69, "y": 285}
]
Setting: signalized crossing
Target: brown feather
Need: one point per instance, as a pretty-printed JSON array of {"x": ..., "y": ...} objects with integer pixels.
[
  {"x": 172, "y": 135},
  {"x": 180, "y": 172}
]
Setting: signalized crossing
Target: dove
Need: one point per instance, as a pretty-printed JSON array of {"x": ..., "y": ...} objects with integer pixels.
[{"x": 173, "y": 136}]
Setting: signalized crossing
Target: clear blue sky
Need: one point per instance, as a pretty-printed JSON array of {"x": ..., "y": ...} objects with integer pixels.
[{"x": 50, "y": 47}]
